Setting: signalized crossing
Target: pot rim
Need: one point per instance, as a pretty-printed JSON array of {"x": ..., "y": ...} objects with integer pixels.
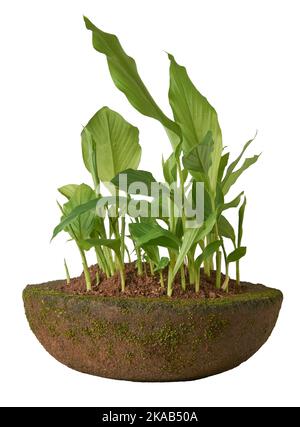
[{"x": 259, "y": 292}]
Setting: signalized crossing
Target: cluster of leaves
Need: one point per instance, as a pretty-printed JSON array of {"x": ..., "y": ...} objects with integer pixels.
[{"x": 110, "y": 146}]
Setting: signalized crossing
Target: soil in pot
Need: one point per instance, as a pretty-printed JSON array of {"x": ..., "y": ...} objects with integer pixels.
[{"x": 149, "y": 285}]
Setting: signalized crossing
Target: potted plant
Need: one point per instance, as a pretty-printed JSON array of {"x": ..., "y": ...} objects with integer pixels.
[{"x": 159, "y": 304}]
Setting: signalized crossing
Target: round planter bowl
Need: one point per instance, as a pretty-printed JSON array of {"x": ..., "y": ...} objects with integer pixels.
[{"x": 151, "y": 339}]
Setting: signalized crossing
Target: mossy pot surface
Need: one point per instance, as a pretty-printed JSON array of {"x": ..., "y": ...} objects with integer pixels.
[{"x": 151, "y": 339}]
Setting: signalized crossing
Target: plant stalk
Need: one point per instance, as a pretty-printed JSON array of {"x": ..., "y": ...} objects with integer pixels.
[
  {"x": 237, "y": 266},
  {"x": 191, "y": 268},
  {"x": 197, "y": 280},
  {"x": 85, "y": 270},
  {"x": 123, "y": 225},
  {"x": 207, "y": 263},
  {"x": 161, "y": 279},
  {"x": 151, "y": 268},
  {"x": 102, "y": 261},
  {"x": 218, "y": 269},
  {"x": 182, "y": 273},
  {"x": 67, "y": 272},
  {"x": 226, "y": 281},
  {"x": 139, "y": 263},
  {"x": 170, "y": 287},
  {"x": 128, "y": 254},
  {"x": 122, "y": 276}
]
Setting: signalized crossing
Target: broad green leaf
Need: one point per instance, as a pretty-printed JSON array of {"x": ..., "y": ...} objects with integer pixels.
[
  {"x": 124, "y": 74},
  {"x": 116, "y": 143},
  {"x": 207, "y": 201},
  {"x": 72, "y": 216},
  {"x": 199, "y": 159},
  {"x": 113, "y": 244},
  {"x": 163, "y": 263},
  {"x": 83, "y": 225},
  {"x": 179, "y": 228},
  {"x": 222, "y": 166},
  {"x": 116, "y": 206},
  {"x": 152, "y": 252},
  {"x": 236, "y": 254},
  {"x": 225, "y": 229},
  {"x": 191, "y": 237},
  {"x": 232, "y": 178},
  {"x": 241, "y": 219},
  {"x": 194, "y": 114},
  {"x": 209, "y": 250},
  {"x": 137, "y": 232},
  {"x": 153, "y": 234},
  {"x": 233, "y": 165},
  {"x": 88, "y": 148},
  {"x": 207, "y": 205},
  {"x": 170, "y": 169},
  {"x": 68, "y": 190},
  {"x": 134, "y": 176},
  {"x": 219, "y": 199},
  {"x": 233, "y": 204}
]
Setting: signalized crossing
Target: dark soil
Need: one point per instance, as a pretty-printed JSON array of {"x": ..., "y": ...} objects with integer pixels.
[{"x": 148, "y": 285}]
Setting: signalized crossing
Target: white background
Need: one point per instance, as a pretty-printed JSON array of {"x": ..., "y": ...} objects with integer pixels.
[{"x": 244, "y": 56}]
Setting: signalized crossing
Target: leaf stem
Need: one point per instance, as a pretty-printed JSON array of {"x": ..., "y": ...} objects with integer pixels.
[
  {"x": 170, "y": 288},
  {"x": 191, "y": 267},
  {"x": 123, "y": 225},
  {"x": 237, "y": 266},
  {"x": 182, "y": 274},
  {"x": 139, "y": 261},
  {"x": 122, "y": 276},
  {"x": 218, "y": 269},
  {"x": 67, "y": 272},
  {"x": 151, "y": 267},
  {"x": 161, "y": 279},
  {"x": 226, "y": 281},
  {"x": 197, "y": 280},
  {"x": 85, "y": 270}
]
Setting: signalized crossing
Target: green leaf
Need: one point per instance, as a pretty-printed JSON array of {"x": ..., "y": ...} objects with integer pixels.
[
  {"x": 68, "y": 190},
  {"x": 134, "y": 176},
  {"x": 233, "y": 165},
  {"x": 116, "y": 143},
  {"x": 194, "y": 114},
  {"x": 137, "y": 232},
  {"x": 191, "y": 237},
  {"x": 241, "y": 220},
  {"x": 222, "y": 166},
  {"x": 225, "y": 229},
  {"x": 219, "y": 198},
  {"x": 124, "y": 74},
  {"x": 88, "y": 147},
  {"x": 207, "y": 205},
  {"x": 163, "y": 263},
  {"x": 83, "y": 225},
  {"x": 179, "y": 228},
  {"x": 72, "y": 216},
  {"x": 232, "y": 178},
  {"x": 152, "y": 252},
  {"x": 236, "y": 254},
  {"x": 170, "y": 169},
  {"x": 233, "y": 204},
  {"x": 209, "y": 250},
  {"x": 199, "y": 159},
  {"x": 113, "y": 244},
  {"x": 153, "y": 234}
]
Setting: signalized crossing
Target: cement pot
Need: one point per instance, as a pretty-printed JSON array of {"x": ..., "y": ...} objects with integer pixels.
[{"x": 151, "y": 339}]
